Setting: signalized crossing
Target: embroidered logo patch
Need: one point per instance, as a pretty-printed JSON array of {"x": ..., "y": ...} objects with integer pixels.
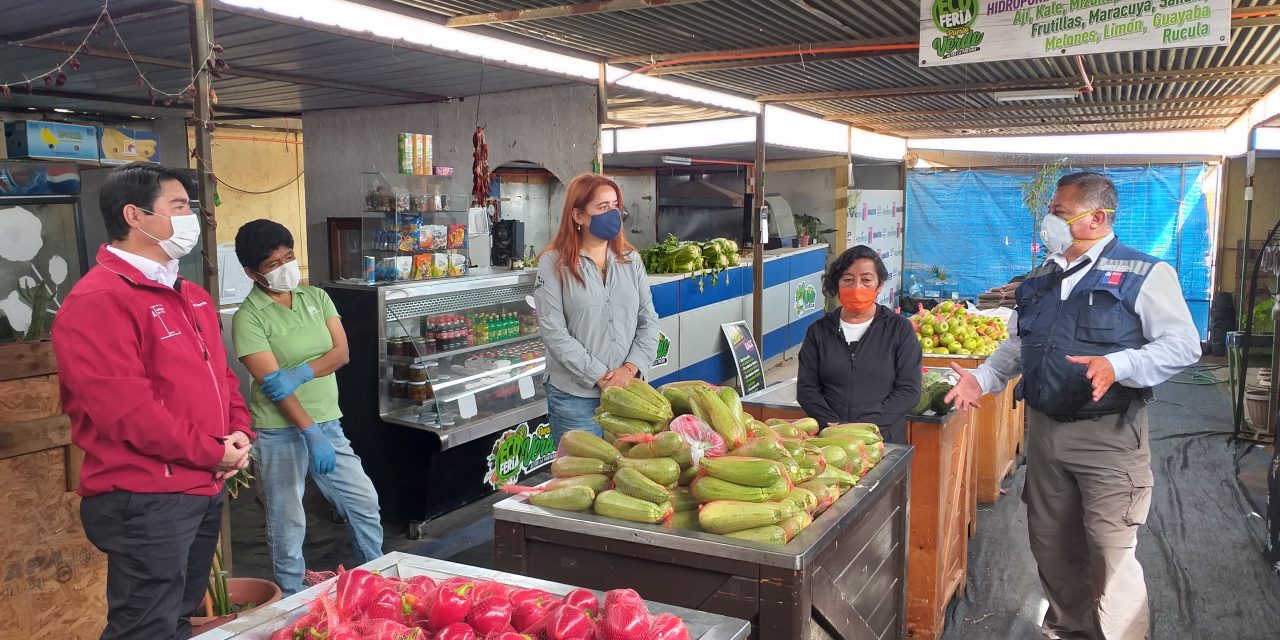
[{"x": 157, "y": 312}]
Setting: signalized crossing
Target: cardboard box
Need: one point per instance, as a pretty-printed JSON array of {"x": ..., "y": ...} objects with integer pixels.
[
  {"x": 419, "y": 154},
  {"x": 404, "y": 152},
  {"x": 426, "y": 154},
  {"x": 118, "y": 145},
  {"x": 51, "y": 140}
]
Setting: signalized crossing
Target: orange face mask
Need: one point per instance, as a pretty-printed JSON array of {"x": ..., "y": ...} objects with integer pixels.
[{"x": 857, "y": 299}]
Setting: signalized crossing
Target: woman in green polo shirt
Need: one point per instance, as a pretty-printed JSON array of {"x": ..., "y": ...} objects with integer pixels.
[{"x": 291, "y": 340}]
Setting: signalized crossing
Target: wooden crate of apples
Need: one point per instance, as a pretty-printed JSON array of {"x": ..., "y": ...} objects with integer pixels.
[{"x": 949, "y": 329}]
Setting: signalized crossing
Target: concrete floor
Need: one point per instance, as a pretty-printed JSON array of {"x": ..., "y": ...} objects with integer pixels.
[{"x": 1201, "y": 548}]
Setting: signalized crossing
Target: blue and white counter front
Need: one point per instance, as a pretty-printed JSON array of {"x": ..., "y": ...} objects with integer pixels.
[{"x": 695, "y": 348}]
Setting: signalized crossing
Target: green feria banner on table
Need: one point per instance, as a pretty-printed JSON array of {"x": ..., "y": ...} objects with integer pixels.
[{"x": 963, "y": 31}]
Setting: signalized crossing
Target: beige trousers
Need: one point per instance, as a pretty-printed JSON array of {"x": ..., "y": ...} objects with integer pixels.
[{"x": 1088, "y": 489}]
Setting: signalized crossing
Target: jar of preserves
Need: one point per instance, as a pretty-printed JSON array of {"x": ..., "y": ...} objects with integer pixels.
[
  {"x": 417, "y": 373},
  {"x": 418, "y": 347},
  {"x": 419, "y": 392},
  {"x": 400, "y": 372},
  {"x": 400, "y": 389}
]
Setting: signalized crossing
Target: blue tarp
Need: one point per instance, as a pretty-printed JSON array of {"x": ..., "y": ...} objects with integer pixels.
[{"x": 972, "y": 223}]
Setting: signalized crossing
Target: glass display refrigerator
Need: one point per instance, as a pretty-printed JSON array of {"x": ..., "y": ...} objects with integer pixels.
[
  {"x": 442, "y": 397},
  {"x": 440, "y": 374}
]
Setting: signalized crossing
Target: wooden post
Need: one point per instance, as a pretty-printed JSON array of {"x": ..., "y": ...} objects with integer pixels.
[
  {"x": 201, "y": 47},
  {"x": 760, "y": 238},
  {"x": 841, "y": 213},
  {"x": 602, "y": 114},
  {"x": 201, "y": 23}
]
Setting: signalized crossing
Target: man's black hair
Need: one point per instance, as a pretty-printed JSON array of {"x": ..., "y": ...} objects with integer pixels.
[
  {"x": 831, "y": 279},
  {"x": 138, "y": 184},
  {"x": 257, "y": 240}
]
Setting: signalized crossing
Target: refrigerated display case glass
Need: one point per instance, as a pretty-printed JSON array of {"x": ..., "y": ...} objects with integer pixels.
[{"x": 462, "y": 357}]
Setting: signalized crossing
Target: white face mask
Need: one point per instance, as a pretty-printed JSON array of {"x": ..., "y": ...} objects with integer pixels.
[
  {"x": 1056, "y": 232},
  {"x": 186, "y": 234},
  {"x": 284, "y": 278}
]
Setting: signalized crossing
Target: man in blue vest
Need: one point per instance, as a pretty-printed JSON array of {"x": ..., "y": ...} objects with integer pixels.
[{"x": 1098, "y": 325}]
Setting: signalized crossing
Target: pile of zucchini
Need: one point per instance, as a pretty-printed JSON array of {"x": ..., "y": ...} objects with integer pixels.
[{"x": 771, "y": 480}]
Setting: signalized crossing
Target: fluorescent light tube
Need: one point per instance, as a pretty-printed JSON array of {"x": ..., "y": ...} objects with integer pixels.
[{"x": 1036, "y": 94}]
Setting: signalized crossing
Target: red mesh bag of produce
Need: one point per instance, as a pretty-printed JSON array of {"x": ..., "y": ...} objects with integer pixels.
[
  {"x": 701, "y": 438},
  {"x": 667, "y": 626},
  {"x": 456, "y": 631},
  {"x": 566, "y": 622},
  {"x": 627, "y": 620},
  {"x": 491, "y": 614},
  {"x": 509, "y": 635}
]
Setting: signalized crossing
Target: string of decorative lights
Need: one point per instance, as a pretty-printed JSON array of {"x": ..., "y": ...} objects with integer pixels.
[{"x": 57, "y": 76}]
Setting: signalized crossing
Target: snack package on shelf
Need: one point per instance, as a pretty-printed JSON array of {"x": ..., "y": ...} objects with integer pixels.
[
  {"x": 404, "y": 267},
  {"x": 457, "y": 236},
  {"x": 422, "y": 266},
  {"x": 409, "y": 237},
  {"x": 457, "y": 265},
  {"x": 439, "y": 237}
]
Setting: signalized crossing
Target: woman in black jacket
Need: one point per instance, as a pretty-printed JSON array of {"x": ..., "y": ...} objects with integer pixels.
[{"x": 860, "y": 362}]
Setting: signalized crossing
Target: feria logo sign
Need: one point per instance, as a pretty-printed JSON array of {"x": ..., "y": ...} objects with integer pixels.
[
  {"x": 954, "y": 15},
  {"x": 955, "y": 18}
]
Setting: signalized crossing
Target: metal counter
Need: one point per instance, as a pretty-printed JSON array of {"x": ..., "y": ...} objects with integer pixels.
[{"x": 264, "y": 622}]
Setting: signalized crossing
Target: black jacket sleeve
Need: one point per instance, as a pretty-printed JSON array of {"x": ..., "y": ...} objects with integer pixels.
[
  {"x": 808, "y": 385},
  {"x": 906, "y": 381}
]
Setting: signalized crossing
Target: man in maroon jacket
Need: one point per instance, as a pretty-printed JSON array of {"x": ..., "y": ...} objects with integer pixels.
[{"x": 154, "y": 405}]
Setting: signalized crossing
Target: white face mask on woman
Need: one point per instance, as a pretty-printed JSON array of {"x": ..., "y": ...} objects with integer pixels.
[
  {"x": 186, "y": 234},
  {"x": 284, "y": 278}
]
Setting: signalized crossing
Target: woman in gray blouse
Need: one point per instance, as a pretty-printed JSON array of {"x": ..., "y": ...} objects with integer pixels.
[{"x": 594, "y": 306}]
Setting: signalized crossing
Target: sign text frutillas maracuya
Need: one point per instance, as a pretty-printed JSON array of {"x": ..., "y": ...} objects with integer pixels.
[{"x": 961, "y": 31}]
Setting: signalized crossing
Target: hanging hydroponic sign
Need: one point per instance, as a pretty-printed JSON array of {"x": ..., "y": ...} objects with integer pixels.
[{"x": 961, "y": 31}]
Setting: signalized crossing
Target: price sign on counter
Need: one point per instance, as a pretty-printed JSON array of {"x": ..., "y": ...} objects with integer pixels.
[
  {"x": 467, "y": 406},
  {"x": 747, "y": 358},
  {"x": 526, "y": 388}
]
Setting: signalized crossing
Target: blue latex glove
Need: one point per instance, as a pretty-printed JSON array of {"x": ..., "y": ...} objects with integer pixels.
[
  {"x": 281, "y": 384},
  {"x": 323, "y": 455}
]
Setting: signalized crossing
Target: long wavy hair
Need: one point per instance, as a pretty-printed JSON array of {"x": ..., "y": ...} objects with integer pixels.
[{"x": 568, "y": 240}]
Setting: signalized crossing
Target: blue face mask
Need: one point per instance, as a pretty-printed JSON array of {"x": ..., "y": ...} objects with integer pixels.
[{"x": 607, "y": 225}]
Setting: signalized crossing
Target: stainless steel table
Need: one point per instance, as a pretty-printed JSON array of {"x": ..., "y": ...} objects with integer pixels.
[
  {"x": 845, "y": 575},
  {"x": 262, "y": 623}
]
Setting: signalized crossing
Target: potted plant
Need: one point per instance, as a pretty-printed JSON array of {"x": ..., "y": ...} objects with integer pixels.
[
  {"x": 809, "y": 228},
  {"x": 227, "y": 598}
]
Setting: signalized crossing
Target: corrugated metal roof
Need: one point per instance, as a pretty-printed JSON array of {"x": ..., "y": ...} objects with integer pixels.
[
  {"x": 738, "y": 24},
  {"x": 343, "y": 71}
]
